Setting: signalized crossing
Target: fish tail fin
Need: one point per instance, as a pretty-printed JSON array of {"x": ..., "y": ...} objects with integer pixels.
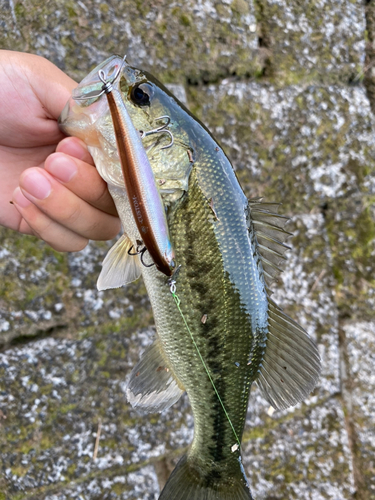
[{"x": 190, "y": 483}]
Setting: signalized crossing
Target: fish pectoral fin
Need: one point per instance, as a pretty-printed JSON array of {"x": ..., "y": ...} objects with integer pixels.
[
  {"x": 119, "y": 268},
  {"x": 153, "y": 386},
  {"x": 291, "y": 365}
]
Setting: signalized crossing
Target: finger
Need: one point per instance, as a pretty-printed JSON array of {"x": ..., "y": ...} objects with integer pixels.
[
  {"x": 58, "y": 237},
  {"x": 81, "y": 179},
  {"x": 24, "y": 228},
  {"x": 22, "y": 202},
  {"x": 44, "y": 90},
  {"x": 65, "y": 207},
  {"x": 72, "y": 146},
  {"x": 54, "y": 95}
]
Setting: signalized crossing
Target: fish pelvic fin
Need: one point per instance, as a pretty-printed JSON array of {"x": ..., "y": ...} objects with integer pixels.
[
  {"x": 152, "y": 386},
  {"x": 187, "y": 482},
  {"x": 291, "y": 364},
  {"x": 119, "y": 268}
]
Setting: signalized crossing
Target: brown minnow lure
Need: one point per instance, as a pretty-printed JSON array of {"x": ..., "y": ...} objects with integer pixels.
[{"x": 145, "y": 201}]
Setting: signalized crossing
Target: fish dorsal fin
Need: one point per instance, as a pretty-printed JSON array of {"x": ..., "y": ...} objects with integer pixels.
[
  {"x": 119, "y": 268},
  {"x": 152, "y": 386},
  {"x": 270, "y": 235},
  {"x": 291, "y": 364}
]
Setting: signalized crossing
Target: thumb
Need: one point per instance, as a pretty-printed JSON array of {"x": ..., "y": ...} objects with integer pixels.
[{"x": 51, "y": 85}]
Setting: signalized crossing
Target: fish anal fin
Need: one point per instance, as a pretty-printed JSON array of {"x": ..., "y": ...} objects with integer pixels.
[
  {"x": 119, "y": 268},
  {"x": 153, "y": 386},
  {"x": 291, "y": 364}
]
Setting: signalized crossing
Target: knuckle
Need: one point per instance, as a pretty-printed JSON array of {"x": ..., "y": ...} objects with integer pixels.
[
  {"x": 103, "y": 195},
  {"x": 71, "y": 217},
  {"x": 39, "y": 223},
  {"x": 95, "y": 227}
]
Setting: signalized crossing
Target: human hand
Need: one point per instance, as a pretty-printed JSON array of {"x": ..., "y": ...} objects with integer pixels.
[{"x": 61, "y": 197}]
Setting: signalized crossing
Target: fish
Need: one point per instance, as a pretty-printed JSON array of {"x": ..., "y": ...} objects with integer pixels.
[{"x": 218, "y": 330}]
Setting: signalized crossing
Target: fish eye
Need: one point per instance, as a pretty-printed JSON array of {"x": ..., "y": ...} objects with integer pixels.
[{"x": 141, "y": 94}]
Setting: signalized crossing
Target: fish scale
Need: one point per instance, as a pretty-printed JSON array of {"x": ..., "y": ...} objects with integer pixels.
[
  {"x": 228, "y": 324},
  {"x": 240, "y": 256}
]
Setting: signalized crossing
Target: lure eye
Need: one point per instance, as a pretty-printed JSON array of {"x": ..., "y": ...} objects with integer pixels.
[{"x": 141, "y": 94}]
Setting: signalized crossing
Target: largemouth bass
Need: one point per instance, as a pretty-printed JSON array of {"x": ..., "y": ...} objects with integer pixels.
[{"x": 218, "y": 331}]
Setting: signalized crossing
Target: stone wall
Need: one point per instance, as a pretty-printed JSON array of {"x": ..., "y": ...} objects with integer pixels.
[{"x": 288, "y": 90}]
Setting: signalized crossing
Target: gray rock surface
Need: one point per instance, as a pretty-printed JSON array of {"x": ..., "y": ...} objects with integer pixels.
[
  {"x": 308, "y": 41},
  {"x": 280, "y": 86},
  {"x": 360, "y": 338}
]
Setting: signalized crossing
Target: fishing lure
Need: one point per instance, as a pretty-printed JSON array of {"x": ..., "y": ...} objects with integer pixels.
[{"x": 145, "y": 201}]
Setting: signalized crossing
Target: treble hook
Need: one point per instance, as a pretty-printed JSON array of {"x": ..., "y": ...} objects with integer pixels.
[
  {"x": 158, "y": 130},
  {"x": 141, "y": 253},
  {"x": 137, "y": 252}
]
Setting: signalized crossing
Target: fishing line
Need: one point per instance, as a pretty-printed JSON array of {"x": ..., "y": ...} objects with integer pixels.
[{"x": 178, "y": 302}]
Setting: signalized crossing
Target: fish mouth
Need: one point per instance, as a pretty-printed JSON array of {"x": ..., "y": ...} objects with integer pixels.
[
  {"x": 83, "y": 108},
  {"x": 79, "y": 119},
  {"x": 73, "y": 122}
]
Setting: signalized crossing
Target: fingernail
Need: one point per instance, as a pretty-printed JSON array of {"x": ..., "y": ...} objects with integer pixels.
[
  {"x": 73, "y": 148},
  {"x": 61, "y": 167},
  {"x": 36, "y": 184},
  {"x": 19, "y": 198}
]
